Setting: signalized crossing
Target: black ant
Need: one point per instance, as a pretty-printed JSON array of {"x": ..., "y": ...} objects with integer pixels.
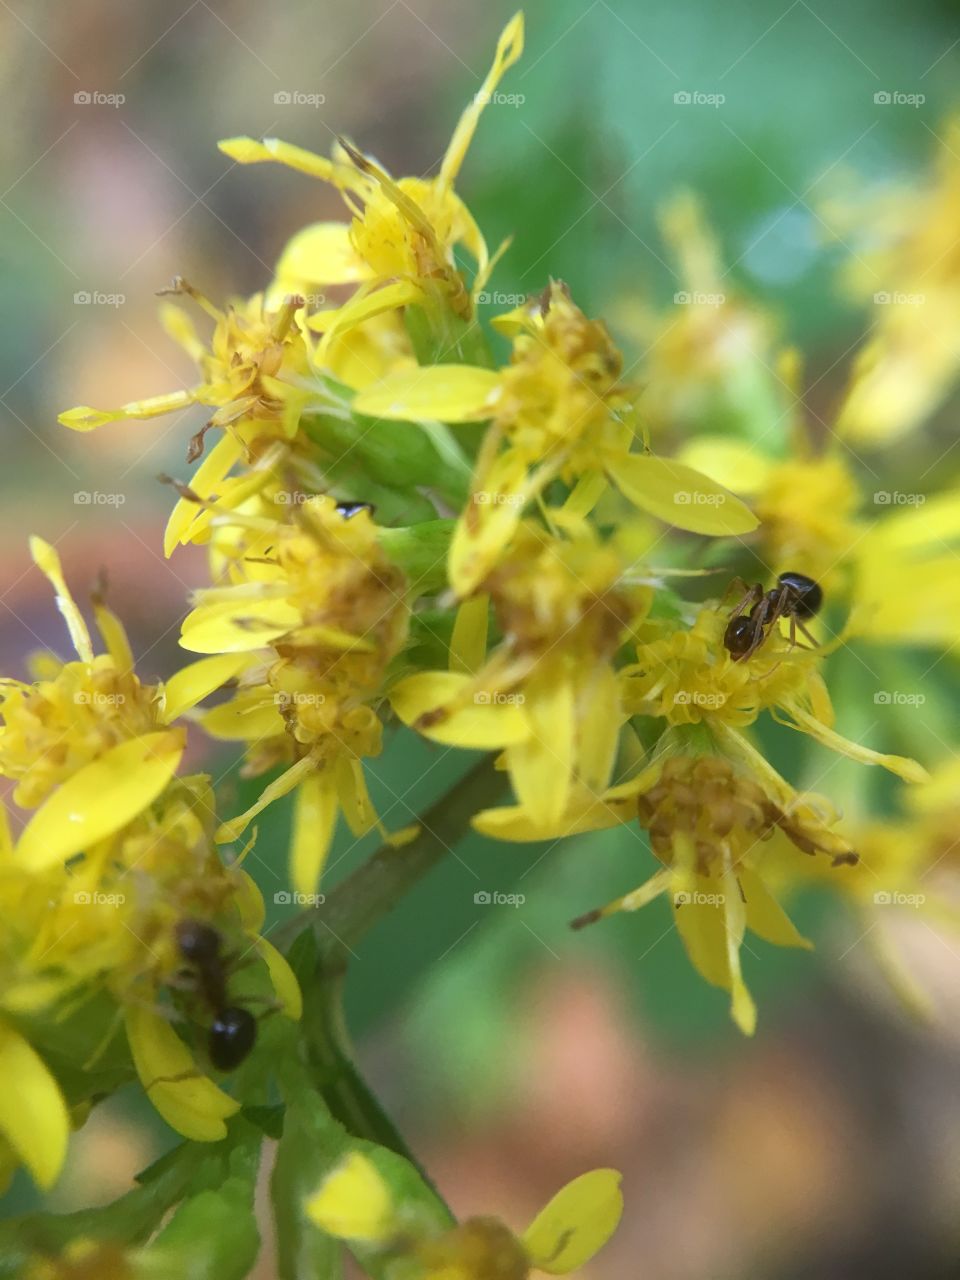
[
  {"x": 349, "y": 509},
  {"x": 233, "y": 1031},
  {"x": 795, "y": 597}
]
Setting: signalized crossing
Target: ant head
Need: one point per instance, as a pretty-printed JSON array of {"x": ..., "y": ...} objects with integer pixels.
[
  {"x": 806, "y": 595},
  {"x": 740, "y": 636},
  {"x": 232, "y": 1035},
  {"x": 198, "y": 942}
]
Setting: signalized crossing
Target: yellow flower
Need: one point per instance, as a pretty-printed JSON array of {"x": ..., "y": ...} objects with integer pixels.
[
  {"x": 710, "y": 359},
  {"x": 715, "y": 821},
  {"x": 400, "y": 248},
  {"x": 887, "y": 555},
  {"x": 558, "y": 410},
  {"x": 355, "y": 1203},
  {"x": 904, "y": 262},
  {"x": 547, "y": 694},
  {"x": 317, "y": 613},
  {"x": 687, "y": 676}
]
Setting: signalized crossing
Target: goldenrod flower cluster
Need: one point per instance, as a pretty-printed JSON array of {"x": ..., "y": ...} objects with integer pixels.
[{"x": 504, "y": 538}]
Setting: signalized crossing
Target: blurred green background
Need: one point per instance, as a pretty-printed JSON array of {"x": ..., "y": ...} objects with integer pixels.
[{"x": 513, "y": 1052}]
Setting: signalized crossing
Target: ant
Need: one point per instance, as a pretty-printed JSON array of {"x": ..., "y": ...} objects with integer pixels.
[
  {"x": 795, "y": 597},
  {"x": 349, "y": 509},
  {"x": 233, "y": 1031}
]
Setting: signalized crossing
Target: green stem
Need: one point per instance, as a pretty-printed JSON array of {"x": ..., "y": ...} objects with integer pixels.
[{"x": 351, "y": 910}]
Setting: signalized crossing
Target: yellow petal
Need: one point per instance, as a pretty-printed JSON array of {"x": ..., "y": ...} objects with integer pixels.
[
  {"x": 187, "y": 1100},
  {"x": 468, "y": 641},
  {"x": 314, "y": 820},
  {"x": 446, "y": 392},
  {"x": 114, "y": 637},
  {"x": 249, "y": 717},
  {"x": 541, "y": 766},
  {"x": 206, "y": 478},
  {"x": 509, "y": 49},
  {"x": 100, "y": 798},
  {"x": 361, "y": 308},
  {"x": 281, "y": 786},
  {"x": 197, "y": 680},
  {"x": 576, "y": 1223},
  {"x": 322, "y": 254},
  {"x": 765, "y": 916},
  {"x": 513, "y": 822},
  {"x": 739, "y": 466},
  {"x": 179, "y": 326},
  {"x": 600, "y": 718},
  {"x": 484, "y": 531},
  {"x": 353, "y": 795},
  {"x": 447, "y": 707},
  {"x": 237, "y": 626},
  {"x": 271, "y": 150},
  {"x": 83, "y": 418},
  {"x": 679, "y": 495},
  {"x": 282, "y": 979},
  {"x": 354, "y": 1203},
  {"x": 33, "y": 1114},
  {"x": 743, "y": 1009},
  {"x": 905, "y": 768},
  {"x": 48, "y": 562}
]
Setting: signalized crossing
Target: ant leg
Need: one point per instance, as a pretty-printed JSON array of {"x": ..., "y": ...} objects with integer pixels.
[
  {"x": 751, "y": 600},
  {"x": 800, "y": 627}
]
